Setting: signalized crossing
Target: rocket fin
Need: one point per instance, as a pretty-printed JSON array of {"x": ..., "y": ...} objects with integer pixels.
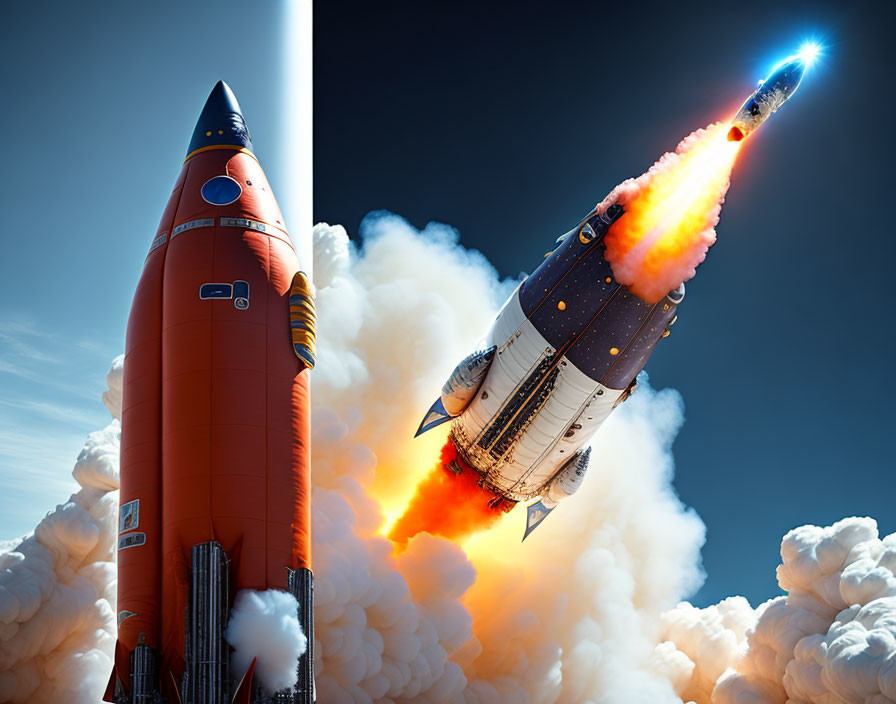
[
  {"x": 535, "y": 514},
  {"x": 118, "y": 684},
  {"x": 114, "y": 688},
  {"x": 435, "y": 416},
  {"x": 243, "y": 694},
  {"x": 459, "y": 390},
  {"x": 175, "y": 689}
]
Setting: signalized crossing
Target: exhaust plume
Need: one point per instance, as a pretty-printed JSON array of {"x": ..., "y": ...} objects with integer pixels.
[
  {"x": 670, "y": 214},
  {"x": 446, "y": 504}
]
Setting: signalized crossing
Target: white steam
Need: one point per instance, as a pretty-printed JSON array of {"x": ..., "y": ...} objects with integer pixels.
[
  {"x": 830, "y": 640},
  {"x": 264, "y": 626},
  {"x": 585, "y": 612},
  {"x": 575, "y": 613},
  {"x": 57, "y": 585}
]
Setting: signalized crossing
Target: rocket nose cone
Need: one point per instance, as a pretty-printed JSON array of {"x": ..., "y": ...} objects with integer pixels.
[{"x": 221, "y": 122}]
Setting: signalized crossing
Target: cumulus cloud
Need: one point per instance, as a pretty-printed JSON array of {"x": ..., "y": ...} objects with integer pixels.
[
  {"x": 57, "y": 585},
  {"x": 831, "y": 639},
  {"x": 699, "y": 645}
]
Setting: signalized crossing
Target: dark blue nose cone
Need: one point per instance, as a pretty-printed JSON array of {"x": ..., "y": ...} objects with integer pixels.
[{"x": 221, "y": 122}]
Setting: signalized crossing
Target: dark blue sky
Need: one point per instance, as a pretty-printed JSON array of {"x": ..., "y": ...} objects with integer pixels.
[{"x": 509, "y": 121}]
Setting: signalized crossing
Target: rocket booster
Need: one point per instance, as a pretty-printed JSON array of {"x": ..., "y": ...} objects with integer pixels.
[
  {"x": 215, "y": 486},
  {"x": 563, "y": 352}
]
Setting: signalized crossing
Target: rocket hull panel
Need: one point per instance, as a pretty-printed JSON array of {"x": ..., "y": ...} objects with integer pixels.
[
  {"x": 548, "y": 440},
  {"x": 234, "y": 399},
  {"x": 570, "y": 341},
  {"x": 140, "y": 563},
  {"x": 215, "y": 421}
]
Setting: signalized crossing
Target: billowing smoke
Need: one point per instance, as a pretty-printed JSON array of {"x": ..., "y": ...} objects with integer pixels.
[
  {"x": 57, "y": 585},
  {"x": 586, "y": 611},
  {"x": 699, "y": 645},
  {"x": 572, "y": 615},
  {"x": 264, "y": 626},
  {"x": 670, "y": 214},
  {"x": 830, "y": 640}
]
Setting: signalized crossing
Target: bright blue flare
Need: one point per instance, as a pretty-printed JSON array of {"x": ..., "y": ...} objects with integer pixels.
[{"x": 809, "y": 52}]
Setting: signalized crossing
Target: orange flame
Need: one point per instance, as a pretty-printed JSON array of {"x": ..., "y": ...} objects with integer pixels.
[
  {"x": 671, "y": 214},
  {"x": 451, "y": 505}
]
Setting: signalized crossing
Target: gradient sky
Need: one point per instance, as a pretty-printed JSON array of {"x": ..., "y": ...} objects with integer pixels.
[{"x": 507, "y": 121}]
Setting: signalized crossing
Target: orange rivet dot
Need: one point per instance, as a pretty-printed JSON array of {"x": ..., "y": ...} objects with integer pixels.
[
  {"x": 614, "y": 351},
  {"x": 609, "y": 279},
  {"x": 208, "y": 134},
  {"x": 561, "y": 305}
]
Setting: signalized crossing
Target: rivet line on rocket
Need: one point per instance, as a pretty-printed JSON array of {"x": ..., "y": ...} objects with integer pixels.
[{"x": 558, "y": 357}]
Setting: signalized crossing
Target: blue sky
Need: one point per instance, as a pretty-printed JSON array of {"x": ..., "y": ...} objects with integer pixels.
[
  {"x": 508, "y": 121},
  {"x": 99, "y": 105}
]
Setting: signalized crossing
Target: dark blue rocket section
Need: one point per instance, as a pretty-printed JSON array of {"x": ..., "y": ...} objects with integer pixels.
[
  {"x": 573, "y": 300},
  {"x": 221, "y": 122}
]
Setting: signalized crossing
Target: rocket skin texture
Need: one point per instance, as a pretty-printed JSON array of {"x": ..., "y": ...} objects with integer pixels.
[
  {"x": 568, "y": 345},
  {"x": 215, "y": 419}
]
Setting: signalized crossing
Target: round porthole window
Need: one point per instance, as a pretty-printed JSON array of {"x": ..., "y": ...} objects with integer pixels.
[
  {"x": 586, "y": 234},
  {"x": 221, "y": 190}
]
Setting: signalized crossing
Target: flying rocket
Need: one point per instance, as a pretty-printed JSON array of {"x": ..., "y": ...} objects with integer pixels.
[
  {"x": 771, "y": 93},
  {"x": 563, "y": 352},
  {"x": 215, "y": 486},
  {"x": 567, "y": 346}
]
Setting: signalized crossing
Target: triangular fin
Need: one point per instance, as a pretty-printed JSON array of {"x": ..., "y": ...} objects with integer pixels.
[
  {"x": 535, "y": 514},
  {"x": 243, "y": 694},
  {"x": 435, "y": 416},
  {"x": 174, "y": 688}
]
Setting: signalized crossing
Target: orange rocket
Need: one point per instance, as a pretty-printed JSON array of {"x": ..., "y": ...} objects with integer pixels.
[{"x": 215, "y": 484}]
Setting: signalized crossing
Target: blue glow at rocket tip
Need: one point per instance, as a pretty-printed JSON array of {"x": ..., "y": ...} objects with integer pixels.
[{"x": 809, "y": 52}]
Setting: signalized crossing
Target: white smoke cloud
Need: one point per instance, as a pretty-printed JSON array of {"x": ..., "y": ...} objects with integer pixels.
[
  {"x": 699, "y": 645},
  {"x": 585, "y": 612},
  {"x": 574, "y": 614},
  {"x": 832, "y": 639},
  {"x": 57, "y": 585},
  {"x": 264, "y": 626}
]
